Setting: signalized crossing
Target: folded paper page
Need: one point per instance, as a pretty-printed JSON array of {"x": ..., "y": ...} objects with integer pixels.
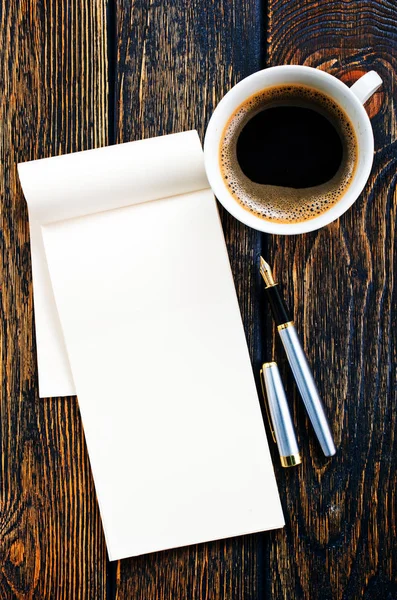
[
  {"x": 148, "y": 326},
  {"x": 69, "y": 186}
]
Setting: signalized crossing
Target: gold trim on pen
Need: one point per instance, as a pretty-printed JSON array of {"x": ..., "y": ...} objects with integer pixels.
[
  {"x": 291, "y": 461},
  {"x": 267, "y": 365},
  {"x": 285, "y": 325},
  {"x": 266, "y": 273}
]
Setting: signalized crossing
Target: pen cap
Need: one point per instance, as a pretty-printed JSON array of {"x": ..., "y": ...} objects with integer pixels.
[{"x": 280, "y": 416}]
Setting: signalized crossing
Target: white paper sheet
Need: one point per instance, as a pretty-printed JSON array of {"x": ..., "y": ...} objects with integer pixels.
[
  {"x": 128, "y": 241},
  {"x": 92, "y": 181}
]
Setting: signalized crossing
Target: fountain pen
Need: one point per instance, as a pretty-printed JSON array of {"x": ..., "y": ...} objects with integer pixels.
[{"x": 298, "y": 362}]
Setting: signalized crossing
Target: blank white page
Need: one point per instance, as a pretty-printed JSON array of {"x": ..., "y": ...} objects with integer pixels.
[
  {"x": 136, "y": 311},
  {"x": 92, "y": 181},
  {"x": 156, "y": 346}
]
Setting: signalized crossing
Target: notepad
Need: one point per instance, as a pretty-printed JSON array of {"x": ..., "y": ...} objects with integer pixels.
[{"x": 137, "y": 313}]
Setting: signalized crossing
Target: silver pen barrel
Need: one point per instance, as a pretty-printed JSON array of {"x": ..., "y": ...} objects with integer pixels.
[
  {"x": 279, "y": 415},
  {"x": 307, "y": 387}
]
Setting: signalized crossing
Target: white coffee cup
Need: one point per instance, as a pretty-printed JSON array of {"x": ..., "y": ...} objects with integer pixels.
[{"x": 350, "y": 99}]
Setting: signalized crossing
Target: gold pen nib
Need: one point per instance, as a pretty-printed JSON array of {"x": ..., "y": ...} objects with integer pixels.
[{"x": 266, "y": 273}]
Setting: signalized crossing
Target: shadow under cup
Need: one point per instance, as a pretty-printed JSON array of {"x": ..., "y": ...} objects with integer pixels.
[{"x": 297, "y": 210}]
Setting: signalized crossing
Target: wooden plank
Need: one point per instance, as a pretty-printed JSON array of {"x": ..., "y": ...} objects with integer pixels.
[
  {"x": 53, "y": 61},
  {"x": 339, "y": 541},
  {"x": 175, "y": 61}
]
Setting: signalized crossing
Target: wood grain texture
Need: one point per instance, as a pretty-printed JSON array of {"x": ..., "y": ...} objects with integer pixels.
[
  {"x": 53, "y": 75},
  {"x": 175, "y": 60},
  {"x": 166, "y": 66},
  {"x": 339, "y": 541}
]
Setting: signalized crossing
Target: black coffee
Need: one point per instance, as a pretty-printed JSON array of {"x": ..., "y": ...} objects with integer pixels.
[
  {"x": 289, "y": 146},
  {"x": 288, "y": 153}
]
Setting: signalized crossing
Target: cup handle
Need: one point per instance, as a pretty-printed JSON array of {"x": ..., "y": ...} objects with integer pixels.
[{"x": 366, "y": 86}]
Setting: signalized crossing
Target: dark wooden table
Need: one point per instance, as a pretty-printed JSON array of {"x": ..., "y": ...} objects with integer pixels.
[{"x": 83, "y": 74}]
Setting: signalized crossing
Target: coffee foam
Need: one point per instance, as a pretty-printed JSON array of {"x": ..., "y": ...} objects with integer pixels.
[{"x": 286, "y": 204}]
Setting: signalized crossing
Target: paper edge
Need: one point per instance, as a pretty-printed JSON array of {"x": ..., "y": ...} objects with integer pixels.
[{"x": 113, "y": 556}]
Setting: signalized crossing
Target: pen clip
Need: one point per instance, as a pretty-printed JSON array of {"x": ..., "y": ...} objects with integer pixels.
[{"x": 265, "y": 401}]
